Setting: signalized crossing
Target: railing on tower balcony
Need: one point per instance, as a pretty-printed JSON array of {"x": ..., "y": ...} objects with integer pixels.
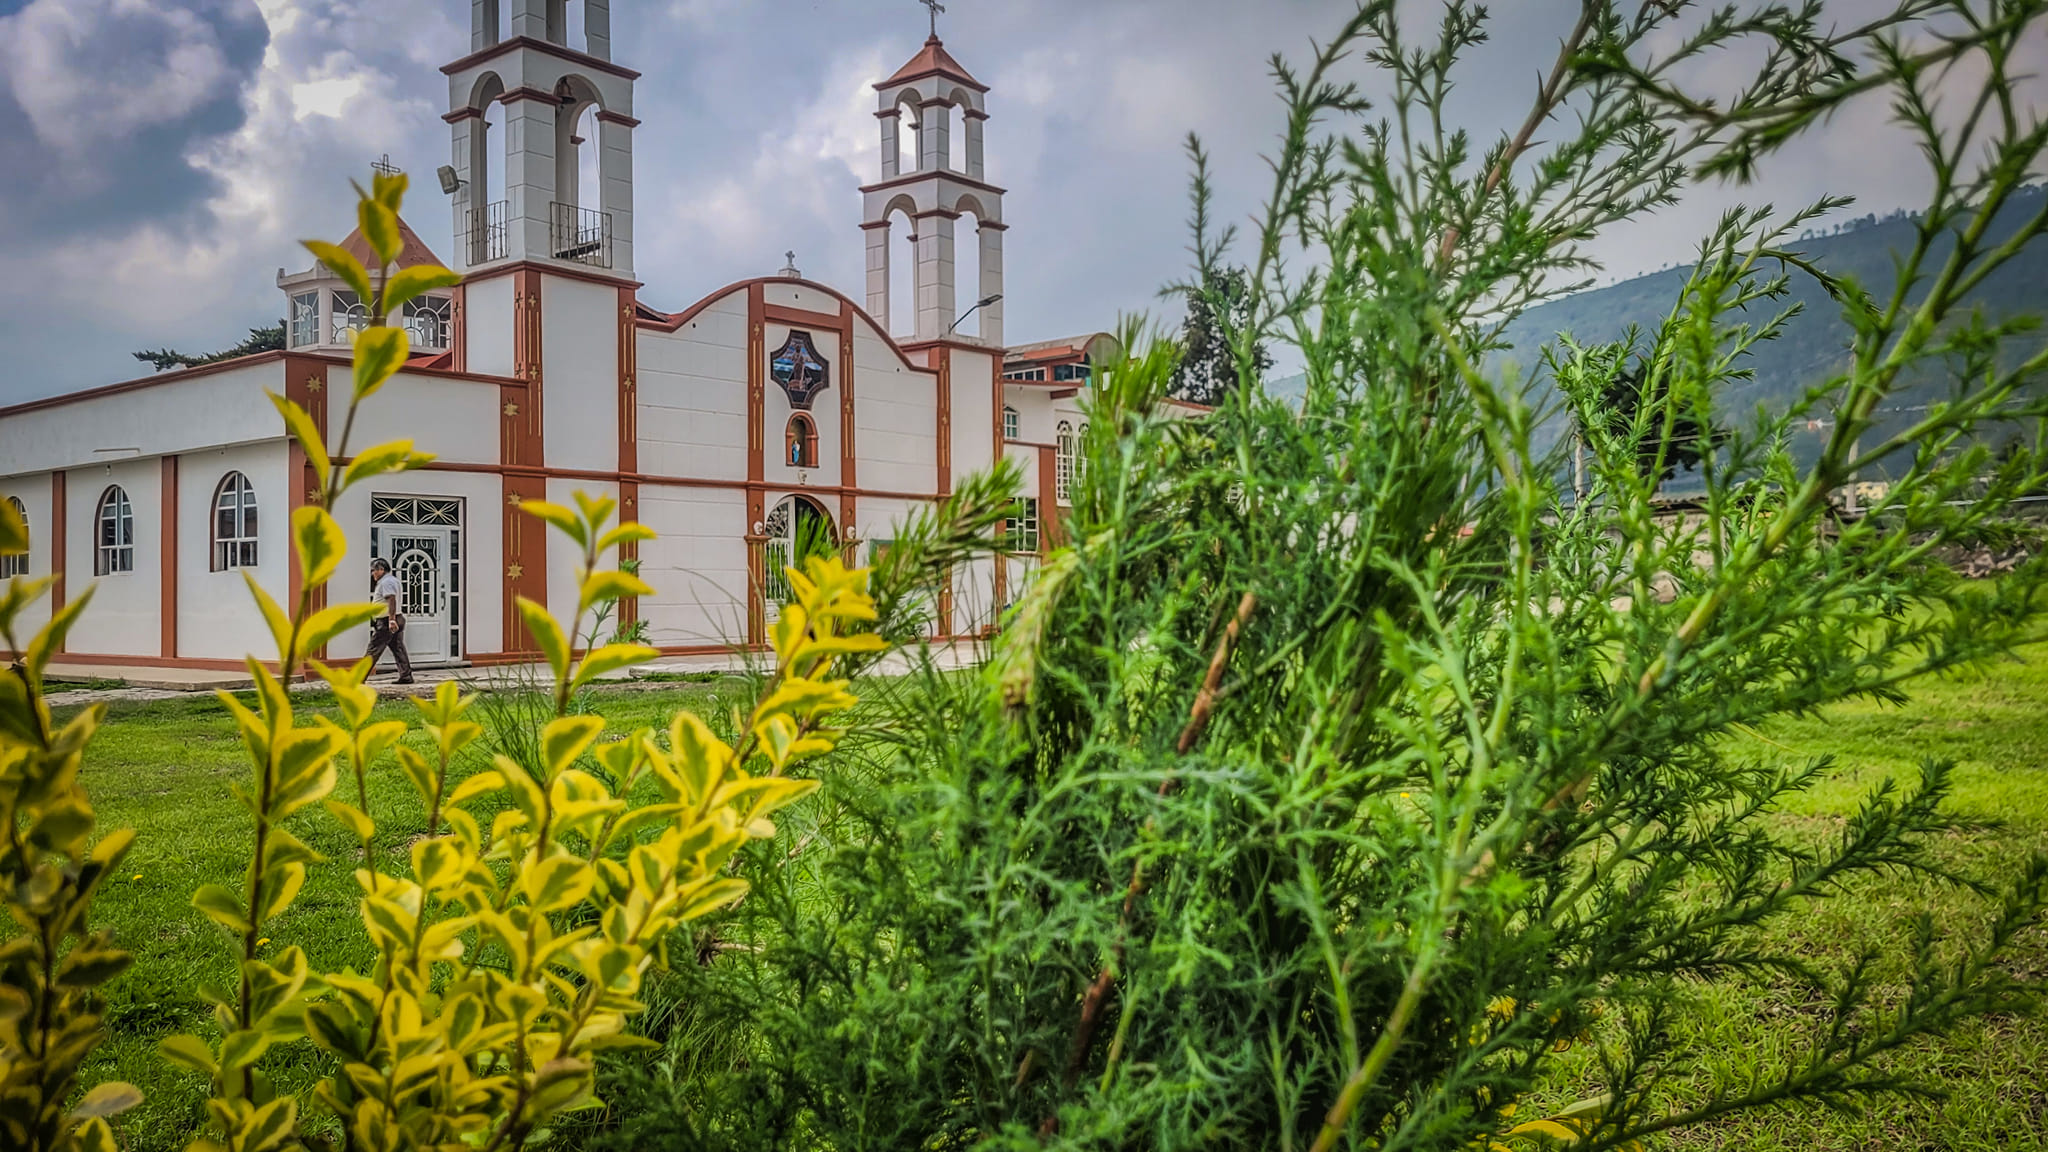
[
  {"x": 581, "y": 234},
  {"x": 483, "y": 237}
]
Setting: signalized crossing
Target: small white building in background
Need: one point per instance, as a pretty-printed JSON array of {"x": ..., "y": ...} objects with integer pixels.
[{"x": 726, "y": 426}]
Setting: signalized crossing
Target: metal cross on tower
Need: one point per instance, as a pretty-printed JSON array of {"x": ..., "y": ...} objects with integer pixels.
[{"x": 936, "y": 8}]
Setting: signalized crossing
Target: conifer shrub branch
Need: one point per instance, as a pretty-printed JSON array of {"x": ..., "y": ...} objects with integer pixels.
[{"x": 1471, "y": 779}]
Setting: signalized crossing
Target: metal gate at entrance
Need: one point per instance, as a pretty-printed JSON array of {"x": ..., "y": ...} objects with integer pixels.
[{"x": 421, "y": 538}]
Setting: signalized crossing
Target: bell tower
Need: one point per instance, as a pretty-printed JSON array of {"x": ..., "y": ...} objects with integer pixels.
[
  {"x": 941, "y": 187},
  {"x": 541, "y": 122},
  {"x": 541, "y": 186}
]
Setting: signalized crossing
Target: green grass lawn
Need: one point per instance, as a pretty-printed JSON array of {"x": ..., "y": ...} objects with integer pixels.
[
  {"x": 1992, "y": 1075},
  {"x": 166, "y": 768}
]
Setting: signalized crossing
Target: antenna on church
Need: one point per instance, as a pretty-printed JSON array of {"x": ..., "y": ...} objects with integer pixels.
[
  {"x": 936, "y": 8},
  {"x": 789, "y": 269},
  {"x": 383, "y": 164}
]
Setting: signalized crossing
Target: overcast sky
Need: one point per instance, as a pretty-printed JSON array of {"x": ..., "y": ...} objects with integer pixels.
[{"x": 159, "y": 158}]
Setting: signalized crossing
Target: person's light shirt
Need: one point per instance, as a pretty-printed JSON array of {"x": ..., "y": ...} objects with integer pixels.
[{"x": 387, "y": 594}]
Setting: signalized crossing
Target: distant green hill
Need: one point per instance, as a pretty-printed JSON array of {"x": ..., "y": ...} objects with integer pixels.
[{"x": 1814, "y": 343}]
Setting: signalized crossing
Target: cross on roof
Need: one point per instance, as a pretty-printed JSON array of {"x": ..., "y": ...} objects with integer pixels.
[
  {"x": 383, "y": 164},
  {"x": 936, "y": 8}
]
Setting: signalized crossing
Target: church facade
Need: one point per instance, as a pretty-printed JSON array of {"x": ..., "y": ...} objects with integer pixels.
[{"x": 767, "y": 409}]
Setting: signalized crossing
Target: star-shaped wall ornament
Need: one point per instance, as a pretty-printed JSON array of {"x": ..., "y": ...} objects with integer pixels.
[
  {"x": 513, "y": 500},
  {"x": 511, "y": 409},
  {"x": 514, "y": 572},
  {"x": 313, "y": 384}
]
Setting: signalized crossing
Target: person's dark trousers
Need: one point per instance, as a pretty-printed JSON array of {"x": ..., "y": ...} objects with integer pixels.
[{"x": 383, "y": 636}]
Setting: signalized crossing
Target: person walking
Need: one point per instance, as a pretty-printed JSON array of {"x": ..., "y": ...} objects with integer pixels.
[{"x": 388, "y": 630}]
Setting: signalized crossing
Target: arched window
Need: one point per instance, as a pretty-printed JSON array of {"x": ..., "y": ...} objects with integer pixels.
[
  {"x": 114, "y": 548},
  {"x": 800, "y": 442},
  {"x": 1081, "y": 457},
  {"x": 1063, "y": 462},
  {"x": 13, "y": 565},
  {"x": 234, "y": 523},
  {"x": 1009, "y": 422}
]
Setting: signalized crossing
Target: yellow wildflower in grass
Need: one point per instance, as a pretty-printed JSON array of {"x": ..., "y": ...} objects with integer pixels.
[{"x": 1501, "y": 1007}]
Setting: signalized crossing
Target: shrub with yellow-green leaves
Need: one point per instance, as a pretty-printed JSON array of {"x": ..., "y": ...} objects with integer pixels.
[
  {"x": 53, "y": 963},
  {"x": 510, "y": 948}
]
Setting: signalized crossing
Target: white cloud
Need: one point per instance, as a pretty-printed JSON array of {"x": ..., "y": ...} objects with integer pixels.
[
  {"x": 86, "y": 71},
  {"x": 324, "y": 97}
]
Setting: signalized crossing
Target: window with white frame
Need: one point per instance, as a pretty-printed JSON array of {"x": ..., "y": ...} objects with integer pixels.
[
  {"x": 1023, "y": 526},
  {"x": 1063, "y": 462},
  {"x": 350, "y": 314},
  {"x": 305, "y": 319},
  {"x": 1009, "y": 422},
  {"x": 114, "y": 537},
  {"x": 1081, "y": 454},
  {"x": 234, "y": 523},
  {"x": 426, "y": 318},
  {"x": 15, "y": 565}
]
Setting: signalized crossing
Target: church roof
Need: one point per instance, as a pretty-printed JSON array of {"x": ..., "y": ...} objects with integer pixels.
[
  {"x": 933, "y": 60},
  {"x": 412, "y": 251}
]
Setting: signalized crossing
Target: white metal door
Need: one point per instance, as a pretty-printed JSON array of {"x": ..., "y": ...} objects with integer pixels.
[{"x": 419, "y": 559}]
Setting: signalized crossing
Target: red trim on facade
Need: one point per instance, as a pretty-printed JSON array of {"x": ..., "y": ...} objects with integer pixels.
[
  {"x": 559, "y": 52},
  {"x": 167, "y": 560},
  {"x": 1050, "y": 530},
  {"x": 1001, "y": 579},
  {"x": 59, "y": 517},
  {"x": 195, "y": 663},
  {"x": 629, "y": 435},
  {"x": 675, "y": 320},
  {"x": 525, "y": 539},
  {"x": 298, "y": 475},
  {"x": 515, "y": 95},
  {"x": 942, "y": 359},
  {"x": 802, "y": 318},
  {"x": 616, "y": 118},
  {"x": 458, "y": 331},
  {"x": 629, "y": 365},
  {"x": 306, "y": 380},
  {"x": 942, "y": 174},
  {"x": 848, "y": 465},
  {"x": 565, "y": 271},
  {"x": 138, "y": 383},
  {"x": 461, "y": 114},
  {"x": 757, "y": 371}
]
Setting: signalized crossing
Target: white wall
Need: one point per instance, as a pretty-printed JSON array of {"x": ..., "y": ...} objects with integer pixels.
[
  {"x": 34, "y": 493},
  {"x": 579, "y": 351},
  {"x": 456, "y": 420},
  {"x": 217, "y": 617},
  {"x": 124, "y": 617},
  {"x": 824, "y": 412},
  {"x": 692, "y": 389},
  {"x": 895, "y": 418},
  {"x": 226, "y": 407},
  {"x": 794, "y": 295},
  {"x": 562, "y": 555},
  {"x": 973, "y": 410},
  {"x": 487, "y": 323},
  {"x": 1034, "y": 407},
  {"x": 483, "y": 551},
  {"x": 697, "y": 564}
]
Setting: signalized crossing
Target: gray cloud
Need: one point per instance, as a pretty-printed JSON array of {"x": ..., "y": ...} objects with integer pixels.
[
  {"x": 160, "y": 213},
  {"x": 100, "y": 101}
]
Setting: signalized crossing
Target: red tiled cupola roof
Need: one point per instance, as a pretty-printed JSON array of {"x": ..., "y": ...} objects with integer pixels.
[
  {"x": 412, "y": 250},
  {"x": 934, "y": 60}
]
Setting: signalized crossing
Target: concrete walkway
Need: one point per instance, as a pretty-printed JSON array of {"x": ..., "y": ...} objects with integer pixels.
[{"x": 104, "y": 682}]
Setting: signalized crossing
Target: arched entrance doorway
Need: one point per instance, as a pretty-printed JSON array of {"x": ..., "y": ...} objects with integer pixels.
[{"x": 799, "y": 527}]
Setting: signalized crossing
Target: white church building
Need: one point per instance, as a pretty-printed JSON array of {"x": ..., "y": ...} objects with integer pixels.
[{"x": 764, "y": 408}]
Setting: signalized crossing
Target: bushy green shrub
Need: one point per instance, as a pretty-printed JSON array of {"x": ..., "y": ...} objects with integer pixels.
[{"x": 1345, "y": 767}]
